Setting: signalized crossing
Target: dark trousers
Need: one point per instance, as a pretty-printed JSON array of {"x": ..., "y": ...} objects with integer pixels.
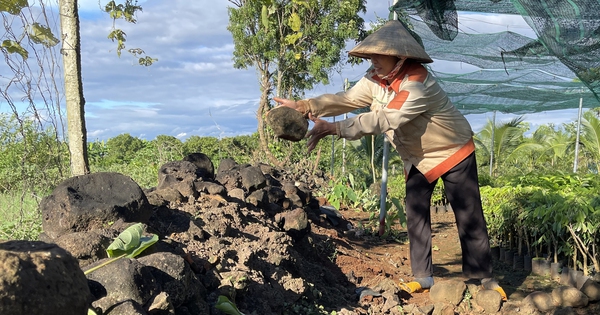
[{"x": 462, "y": 190}]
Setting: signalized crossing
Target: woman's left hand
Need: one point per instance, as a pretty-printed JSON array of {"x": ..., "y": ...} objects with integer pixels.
[{"x": 321, "y": 129}]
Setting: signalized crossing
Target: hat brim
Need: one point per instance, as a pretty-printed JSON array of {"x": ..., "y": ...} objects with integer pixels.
[{"x": 391, "y": 39}]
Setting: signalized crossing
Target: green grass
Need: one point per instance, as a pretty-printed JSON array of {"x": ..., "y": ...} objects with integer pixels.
[{"x": 21, "y": 217}]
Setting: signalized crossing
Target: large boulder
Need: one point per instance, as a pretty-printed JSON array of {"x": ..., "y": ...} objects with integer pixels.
[
  {"x": 449, "y": 291},
  {"x": 252, "y": 178},
  {"x": 93, "y": 201},
  {"x": 123, "y": 280},
  {"x": 175, "y": 277},
  {"x": 206, "y": 169},
  {"x": 41, "y": 278},
  {"x": 87, "y": 247},
  {"x": 179, "y": 175}
]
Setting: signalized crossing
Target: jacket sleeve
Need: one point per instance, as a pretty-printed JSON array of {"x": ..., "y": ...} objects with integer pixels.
[
  {"x": 327, "y": 105},
  {"x": 408, "y": 103}
]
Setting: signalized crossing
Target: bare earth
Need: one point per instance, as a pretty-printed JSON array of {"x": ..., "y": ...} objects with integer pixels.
[
  {"x": 370, "y": 259},
  {"x": 337, "y": 262}
]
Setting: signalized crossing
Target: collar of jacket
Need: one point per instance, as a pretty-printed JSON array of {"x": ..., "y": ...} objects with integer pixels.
[{"x": 409, "y": 65}]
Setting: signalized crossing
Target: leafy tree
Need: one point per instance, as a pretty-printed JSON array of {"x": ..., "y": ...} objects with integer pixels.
[
  {"x": 123, "y": 148},
  {"x": 169, "y": 148},
  {"x": 293, "y": 44},
  {"x": 590, "y": 137},
  {"x": 207, "y": 145},
  {"x": 557, "y": 144},
  {"x": 506, "y": 138},
  {"x": 31, "y": 158},
  {"x": 97, "y": 152}
]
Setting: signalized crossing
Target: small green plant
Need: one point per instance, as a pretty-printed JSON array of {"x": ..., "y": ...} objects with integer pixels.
[
  {"x": 129, "y": 243},
  {"x": 394, "y": 215},
  {"x": 333, "y": 255},
  {"x": 342, "y": 194},
  {"x": 366, "y": 201},
  {"x": 228, "y": 307},
  {"x": 467, "y": 298}
]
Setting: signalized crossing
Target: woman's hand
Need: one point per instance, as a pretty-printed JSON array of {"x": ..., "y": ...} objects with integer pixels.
[
  {"x": 321, "y": 129},
  {"x": 285, "y": 102}
]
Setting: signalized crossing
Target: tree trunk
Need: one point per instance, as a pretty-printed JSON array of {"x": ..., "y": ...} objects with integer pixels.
[
  {"x": 263, "y": 107},
  {"x": 71, "y": 51}
]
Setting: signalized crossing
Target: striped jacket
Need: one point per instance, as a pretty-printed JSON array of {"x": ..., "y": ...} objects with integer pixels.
[{"x": 415, "y": 113}]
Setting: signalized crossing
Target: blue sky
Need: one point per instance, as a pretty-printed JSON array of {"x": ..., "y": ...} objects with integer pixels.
[{"x": 193, "y": 89}]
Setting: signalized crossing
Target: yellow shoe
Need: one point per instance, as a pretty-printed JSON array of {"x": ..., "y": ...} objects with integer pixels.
[
  {"x": 412, "y": 287},
  {"x": 502, "y": 293},
  {"x": 491, "y": 284}
]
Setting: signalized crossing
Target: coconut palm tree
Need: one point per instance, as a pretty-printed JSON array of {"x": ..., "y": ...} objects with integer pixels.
[
  {"x": 590, "y": 138},
  {"x": 506, "y": 138}
]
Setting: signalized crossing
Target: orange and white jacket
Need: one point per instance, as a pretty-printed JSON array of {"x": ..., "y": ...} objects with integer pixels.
[{"x": 414, "y": 112}]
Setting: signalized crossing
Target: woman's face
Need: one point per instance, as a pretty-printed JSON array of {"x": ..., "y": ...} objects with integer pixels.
[{"x": 383, "y": 64}]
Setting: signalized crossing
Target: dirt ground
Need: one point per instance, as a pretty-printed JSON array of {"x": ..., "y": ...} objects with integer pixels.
[{"x": 371, "y": 258}]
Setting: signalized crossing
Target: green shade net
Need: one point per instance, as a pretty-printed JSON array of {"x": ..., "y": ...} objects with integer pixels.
[{"x": 518, "y": 74}]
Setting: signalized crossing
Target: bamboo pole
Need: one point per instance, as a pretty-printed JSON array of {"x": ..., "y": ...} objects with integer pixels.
[{"x": 575, "y": 162}]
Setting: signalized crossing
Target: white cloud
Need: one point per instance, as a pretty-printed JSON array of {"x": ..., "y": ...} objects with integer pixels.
[{"x": 200, "y": 66}]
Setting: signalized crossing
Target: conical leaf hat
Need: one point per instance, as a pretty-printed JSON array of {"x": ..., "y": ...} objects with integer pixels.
[{"x": 391, "y": 39}]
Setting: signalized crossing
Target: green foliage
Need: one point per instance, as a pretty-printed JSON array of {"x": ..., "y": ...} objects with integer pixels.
[
  {"x": 591, "y": 138},
  {"x": 122, "y": 148},
  {"x": 169, "y": 148},
  {"x": 32, "y": 162},
  {"x": 31, "y": 156},
  {"x": 130, "y": 243},
  {"x": 126, "y": 11},
  {"x": 13, "y": 47},
  {"x": 13, "y": 7},
  {"x": 342, "y": 193},
  {"x": 97, "y": 152},
  {"x": 293, "y": 45},
  {"x": 120, "y": 37},
  {"x": 438, "y": 197},
  {"x": 225, "y": 305},
  {"x": 242, "y": 148},
  {"x": 282, "y": 31},
  {"x": 501, "y": 140},
  {"x": 41, "y": 34},
  {"x": 21, "y": 219},
  {"x": 207, "y": 145},
  {"x": 395, "y": 214},
  {"x": 550, "y": 211}
]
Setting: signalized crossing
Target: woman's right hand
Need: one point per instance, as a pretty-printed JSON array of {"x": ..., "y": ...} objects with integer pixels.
[{"x": 285, "y": 102}]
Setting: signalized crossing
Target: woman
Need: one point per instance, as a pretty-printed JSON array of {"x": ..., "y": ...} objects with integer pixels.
[{"x": 432, "y": 137}]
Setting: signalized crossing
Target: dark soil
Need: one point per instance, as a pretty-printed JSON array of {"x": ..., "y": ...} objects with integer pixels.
[
  {"x": 372, "y": 258},
  {"x": 346, "y": 262}
]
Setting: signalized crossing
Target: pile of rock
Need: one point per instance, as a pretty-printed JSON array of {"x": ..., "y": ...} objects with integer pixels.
[{"x": 237, "y": 232}]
